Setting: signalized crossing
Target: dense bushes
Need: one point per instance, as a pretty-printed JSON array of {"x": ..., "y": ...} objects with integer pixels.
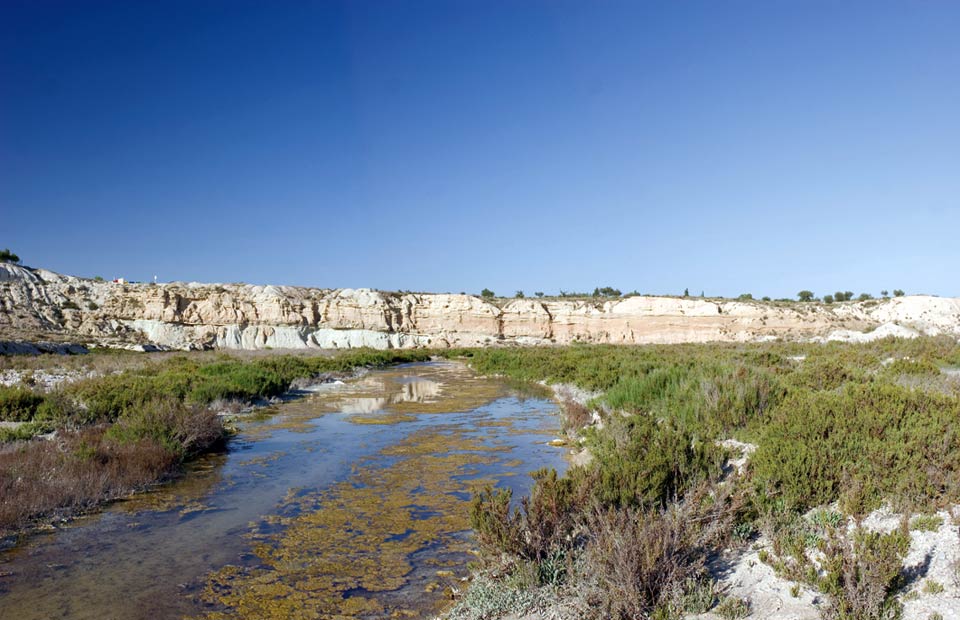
[
  {"x": 704, "y": 396},
  {"x": 18, "y": 404},
  {"x": 864, "y": 445},
  {"x": 824, "y": 374},
  {"x": 832, "y": 421},
  {"x": 176, "y": 389},
  {"x": 181, "y": 429},
  {"x": 860, "y": 423},
  {"x": 641, "y": 461}
]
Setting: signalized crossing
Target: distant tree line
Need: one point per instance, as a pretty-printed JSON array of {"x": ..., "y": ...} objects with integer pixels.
[
  {"x": 610, "y": 292},
  {"x": 846, "y": 296}
]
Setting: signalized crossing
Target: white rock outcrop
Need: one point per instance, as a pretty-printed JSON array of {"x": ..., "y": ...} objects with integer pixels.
[{"x": 40, "y": 305}]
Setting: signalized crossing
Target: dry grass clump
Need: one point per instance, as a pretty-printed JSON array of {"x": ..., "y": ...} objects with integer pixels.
[
  {"x": 78, "y": 469},
  {"x": 645, "y": 562},
  {"x": 620, "y": 560},
  {"x": 73, "y": 472},
  {"x": 576, "y": 416}
]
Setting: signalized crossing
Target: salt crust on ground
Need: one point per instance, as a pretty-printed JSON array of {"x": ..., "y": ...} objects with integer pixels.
[{"x": 932, "y": 556}]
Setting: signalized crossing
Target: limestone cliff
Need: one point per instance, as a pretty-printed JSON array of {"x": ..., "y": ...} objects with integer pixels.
[{"x": 42, "y": 305}]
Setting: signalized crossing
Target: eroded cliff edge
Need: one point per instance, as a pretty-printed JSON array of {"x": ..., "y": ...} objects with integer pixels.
[{"x": 40, "y": 305}]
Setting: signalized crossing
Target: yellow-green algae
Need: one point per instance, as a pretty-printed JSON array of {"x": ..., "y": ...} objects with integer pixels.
[{"x": 346, "y": 549}]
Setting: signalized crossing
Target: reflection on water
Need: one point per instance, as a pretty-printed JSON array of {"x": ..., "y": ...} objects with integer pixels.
[
  {"x": 309, "y": 512},
  {"x": 411, "y": 391}
]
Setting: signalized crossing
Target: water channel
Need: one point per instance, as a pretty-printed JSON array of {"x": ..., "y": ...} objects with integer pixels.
[{"x": 352, "y": 501}]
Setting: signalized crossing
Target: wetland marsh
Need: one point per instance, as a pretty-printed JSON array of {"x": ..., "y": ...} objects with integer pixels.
[{"x": 350, "y": 502}]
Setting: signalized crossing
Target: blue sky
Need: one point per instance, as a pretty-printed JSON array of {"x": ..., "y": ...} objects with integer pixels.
[{"x": 729, "y": 147}]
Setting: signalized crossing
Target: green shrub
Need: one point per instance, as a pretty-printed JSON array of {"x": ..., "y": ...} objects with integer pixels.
[
  {"x": 862, "y": 574},
  {"x": 541, "y": 529},
  {"x": 182, "y": 430},
  {"x": 826, "y": 519},
  {"x": 862, "y": 445},
  {"x": 699, "y": 595},
  {"x": 825, "y": 374},
  {"x": 18, "y": 404},
  {"x": 235, "y": 380},
  {"x": 707, "y": 397},
  {"x": 640, "y": 461},
  {"x": 926, "y": 523},
  {"x": 733, "y": 608},
  {"x": 105, "y": 398},
  {"x": 493, "y": 522},
  {"x": 58, "y": 408},
  {"x": 912, "y": 367}
]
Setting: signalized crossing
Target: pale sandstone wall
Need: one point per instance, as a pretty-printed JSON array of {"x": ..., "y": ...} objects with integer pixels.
[{"x": 39, "y": 305}]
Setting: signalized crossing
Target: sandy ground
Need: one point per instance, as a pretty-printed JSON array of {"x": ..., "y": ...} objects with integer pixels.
[
  {"x": 743, "y": 575},
  {"x": 933, "y": 556}
]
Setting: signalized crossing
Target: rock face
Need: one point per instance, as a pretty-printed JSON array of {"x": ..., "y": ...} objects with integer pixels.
[{"x": 40, "y": 305}]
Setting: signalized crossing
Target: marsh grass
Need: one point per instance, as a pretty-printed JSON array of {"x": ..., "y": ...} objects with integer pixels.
[{"x": 74, "y": 472}]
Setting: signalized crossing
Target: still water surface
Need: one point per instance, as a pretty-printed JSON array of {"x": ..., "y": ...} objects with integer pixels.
[{"x": 352, "y": 501}]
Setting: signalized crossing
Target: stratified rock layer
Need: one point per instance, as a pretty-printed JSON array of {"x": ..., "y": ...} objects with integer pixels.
[{"x": 39, "y": 305}]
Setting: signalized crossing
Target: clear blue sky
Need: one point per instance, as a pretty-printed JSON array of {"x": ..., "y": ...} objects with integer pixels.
[{"x": 729, "y": 147}]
